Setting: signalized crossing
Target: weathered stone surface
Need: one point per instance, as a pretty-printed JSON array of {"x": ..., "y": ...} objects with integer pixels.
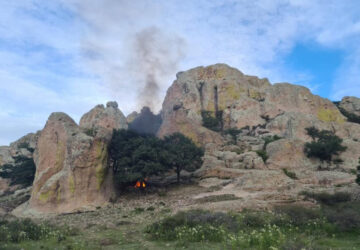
[
  {"x": 72, "y": 169},
  {"x": 351, "y": 104},
  {"x": 289, "y": 154},
  {"x": 103, "y": 120},
  {"x": 259, "y": 110},
  {"x": 243, "y": 100}
]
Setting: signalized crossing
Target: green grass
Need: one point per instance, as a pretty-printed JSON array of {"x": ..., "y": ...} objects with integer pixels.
[{"x": 287, "y": 227}]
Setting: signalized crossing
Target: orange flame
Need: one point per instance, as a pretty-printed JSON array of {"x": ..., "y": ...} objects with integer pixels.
[{"x": 140, "y": 184}]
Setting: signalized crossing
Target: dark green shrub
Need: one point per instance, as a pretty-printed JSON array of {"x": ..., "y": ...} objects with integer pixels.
[
  {"x": 324, "y": 146},
  {"x": 329, "y": 199},
  {"x": 290, "y": 174},
  {"x": 256, "y": 220},
  {"x": 345, "y": 216},
  {"x": 20, "y": 230},
  {"x": 212, "y": 120},
  {"x": 263, "y": 155},
  {"x": 299, "y": 215},
  {"x": 270, "y": 139},
  {"x": 90, "y": 132},
  {"x": 202, "y": 221},
  {"x": 233, "y": 132},
  {"x": 22, "y": 172}
]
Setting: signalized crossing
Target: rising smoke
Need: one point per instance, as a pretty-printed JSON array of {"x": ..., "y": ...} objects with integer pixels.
[
  {"x": 156, "y": 56},
  {"x": 125, "y": 45}
]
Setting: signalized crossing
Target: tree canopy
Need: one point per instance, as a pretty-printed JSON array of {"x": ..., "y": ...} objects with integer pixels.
[
  {"x": 135, "y": 157},
  {"x": 182, "y": 154},
  {"x": 325, "y": 144},
  {"x": 22, "y": 172}
]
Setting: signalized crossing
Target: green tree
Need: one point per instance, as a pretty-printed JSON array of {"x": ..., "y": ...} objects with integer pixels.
[
  {"x": 22, "y": 172},
  {"x": 134, "y": 157},
  {"x": 312, "y": 132},
  {"x": 182, "y": 154},
  {"x": 324, "y": 146}
]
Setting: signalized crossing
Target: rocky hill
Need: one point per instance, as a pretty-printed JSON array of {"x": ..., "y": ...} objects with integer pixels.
[{"x": 253, "y": 133}]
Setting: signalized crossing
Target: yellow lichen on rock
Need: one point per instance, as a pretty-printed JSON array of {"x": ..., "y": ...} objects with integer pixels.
[
  {"x": 101, "y": 160},
  {"x": 58, "y": 196},
  {"x": 228, "y": 95},
  {"x": 330, "y": 115},
  {"x": 71, "y": 184},
  {"x": 60, "y": 156},
  {"x": 255, "y": 94},
  {"x": 44, "y": 196}
]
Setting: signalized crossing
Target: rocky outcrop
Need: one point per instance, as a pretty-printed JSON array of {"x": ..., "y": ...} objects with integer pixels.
[
  {"x": 259, "y": 111},
  {"x": 24, "y": 147},
  {"x": 102, "y": 121},
  {"x": 351, "y": 104},
  {"x": 72, "y": 164},
  {"x": 238, "y": 101}
]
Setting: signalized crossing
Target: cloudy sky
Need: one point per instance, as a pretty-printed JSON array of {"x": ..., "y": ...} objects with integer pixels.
[{"x": 69, "y": 55}]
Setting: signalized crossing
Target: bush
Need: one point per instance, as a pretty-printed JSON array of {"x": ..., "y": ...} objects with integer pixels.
[
  {"x": 325, "y": 144},
  {"x": 270, "y": 139},
  {"x": 329, "y": 199},
  {"x": 212, "y": 120},
  {"x": 233, "y": 132},
  {"x": 262, "y": 154},
  {"x": 22, "y": 172},
  {"x": 299, "y": 215},
  {"x": 21, "y": 230},
  {"x": 197, "y": 220},
  {"x": 290, "y": 174},
  {"x": 90, "y": 132},
  {"x": 346, "y": 216}
]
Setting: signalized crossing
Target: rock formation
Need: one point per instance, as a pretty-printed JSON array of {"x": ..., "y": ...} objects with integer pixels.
[
  {"x": 72, "y": 170},
  {"x": 351, "y": 104},
  {"x": 253, "y": 133},
  {"x": 258, "y": 110},
  {"x": 25, "y": 146}
]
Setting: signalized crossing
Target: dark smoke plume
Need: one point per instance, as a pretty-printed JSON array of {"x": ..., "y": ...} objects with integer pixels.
[
  {"x": 146, "y": 122},
  {"x": 156, "y": 56}
]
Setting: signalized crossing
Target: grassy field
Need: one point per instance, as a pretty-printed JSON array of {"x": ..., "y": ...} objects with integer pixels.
[{"x": 157, "y": 224}]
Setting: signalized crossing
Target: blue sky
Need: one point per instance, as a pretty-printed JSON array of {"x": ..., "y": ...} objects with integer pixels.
[{"x": 69, "y": 55}]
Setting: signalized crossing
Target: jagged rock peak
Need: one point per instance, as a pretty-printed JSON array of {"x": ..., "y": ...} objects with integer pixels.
[
  {"x": 107, "y": 118},
  {"x": 71, "y": 169},
  {"x": 112, "y": 104}
]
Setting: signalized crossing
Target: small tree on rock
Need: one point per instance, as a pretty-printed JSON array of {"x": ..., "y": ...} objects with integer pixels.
[
  {"x": 182, "y": 153},
  {"x": 324, "y": 146}
]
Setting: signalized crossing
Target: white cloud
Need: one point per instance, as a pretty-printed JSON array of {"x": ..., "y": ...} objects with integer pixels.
[{"x": 68, "y": 55}]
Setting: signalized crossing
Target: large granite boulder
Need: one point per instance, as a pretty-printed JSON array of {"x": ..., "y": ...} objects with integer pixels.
[
  {"x": 351, "y": 104},
  {"x": 238, "y": 101},
  {"x": 72, "y": 169},
  {"x": 101, "y": 120}
]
